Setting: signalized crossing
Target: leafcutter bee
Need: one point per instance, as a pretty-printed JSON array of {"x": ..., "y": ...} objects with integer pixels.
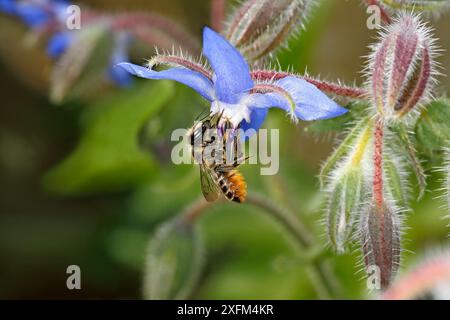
[{"x": 211, "y": 149}]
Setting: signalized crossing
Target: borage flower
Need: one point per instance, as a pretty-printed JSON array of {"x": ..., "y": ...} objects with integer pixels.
[
  {"x": 50, "y": 17},
  {"x": 231, "y": 90},
  {"x": 36, "y": 13},
  {"x": 43, "y": 16}
]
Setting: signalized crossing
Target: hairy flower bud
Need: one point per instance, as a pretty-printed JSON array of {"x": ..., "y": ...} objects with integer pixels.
[
  {"x": 173, "y": 261},
  {"x": 344, "y": 174},
  {"x": 345, "y": 202},
  {"x": 258, "y": 27},
  {"x": 380, "y": 237},
  {"x": 401, "y": 67}
]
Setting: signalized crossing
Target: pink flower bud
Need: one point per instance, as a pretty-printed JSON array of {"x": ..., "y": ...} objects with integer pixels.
[
  {"x": 258, "y": 27},
  {"x": 381, "y": 241},
  {"x": 401, "y": 67}
]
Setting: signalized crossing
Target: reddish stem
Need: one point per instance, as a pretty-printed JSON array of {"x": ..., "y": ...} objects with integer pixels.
[
  {"x": 218, "y": 14},
  {"x": 186, "y": 63},
  {"x": 137, "y": 19},
  {"x": 267, "y": 88},
  {"x": 378, "y": 164},
  {"x": 196, "y": 210},
  {"x": 345, "y": 91}
]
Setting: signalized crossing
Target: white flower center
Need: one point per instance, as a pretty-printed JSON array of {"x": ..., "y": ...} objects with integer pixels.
[{"x": 233, "y": 113}]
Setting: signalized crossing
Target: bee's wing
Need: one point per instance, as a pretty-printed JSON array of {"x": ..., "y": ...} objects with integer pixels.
[{"x": 210, "y": 189}]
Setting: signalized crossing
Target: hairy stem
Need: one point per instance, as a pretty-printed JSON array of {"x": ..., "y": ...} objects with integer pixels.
[
  {"x": 177, "y": 61},
  {"x": 324, "y": 280},
  {"x": 286, "y": 218},
  {"x": 329, "y": 87},
  {"x": 321, "y": 275},
  {"x": 195, "y": 210},
  {"x": 378, "y": 164}
]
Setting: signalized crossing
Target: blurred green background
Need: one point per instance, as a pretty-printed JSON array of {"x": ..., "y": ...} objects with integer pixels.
[{"x": 87, "y": 182}]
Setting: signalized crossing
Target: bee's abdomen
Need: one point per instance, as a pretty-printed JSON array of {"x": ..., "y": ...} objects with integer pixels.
[{"x": 233, "y": 186}]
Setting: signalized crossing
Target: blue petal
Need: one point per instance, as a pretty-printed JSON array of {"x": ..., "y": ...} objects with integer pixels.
[
  {"x": 7, "y": 6},
  {"x": 193, "y": 79},
  {"x": 257, "y": 118},
  {"x": 232, "y": 74},
  {"x": 32, "y": 14},
  {"x": 120, "y": 54},
  {"x": 58, "y": 43},
  {"x": 311, "y": 103},
  {"x": 119, "y": 76}
]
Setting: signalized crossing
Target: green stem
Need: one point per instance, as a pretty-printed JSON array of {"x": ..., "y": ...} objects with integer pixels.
[
  {"x": 295, "y": 227},
  {"x": 323, "y": 279},
  {"x": 195, "y": 210}
]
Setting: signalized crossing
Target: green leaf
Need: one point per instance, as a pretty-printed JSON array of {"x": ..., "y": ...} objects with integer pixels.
[
  {"x": 414, "y": 161},
  {"x": 108, "y": 157},
  {"x": 432, "y": 128},
  {"x": 83, "y": 66}
]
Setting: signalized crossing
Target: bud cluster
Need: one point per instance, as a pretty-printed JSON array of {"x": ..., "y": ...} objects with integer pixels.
[{"x": 400, "y": 75}]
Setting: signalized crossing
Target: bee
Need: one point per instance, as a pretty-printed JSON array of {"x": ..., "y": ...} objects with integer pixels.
[{"x": 217, "y": 178}]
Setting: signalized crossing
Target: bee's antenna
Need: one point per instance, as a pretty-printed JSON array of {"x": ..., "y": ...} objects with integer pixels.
[
  {"x": 243, "y": 159},
  {"x": 220, "y": 116},
  {"x": 202, "y": 116}
]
